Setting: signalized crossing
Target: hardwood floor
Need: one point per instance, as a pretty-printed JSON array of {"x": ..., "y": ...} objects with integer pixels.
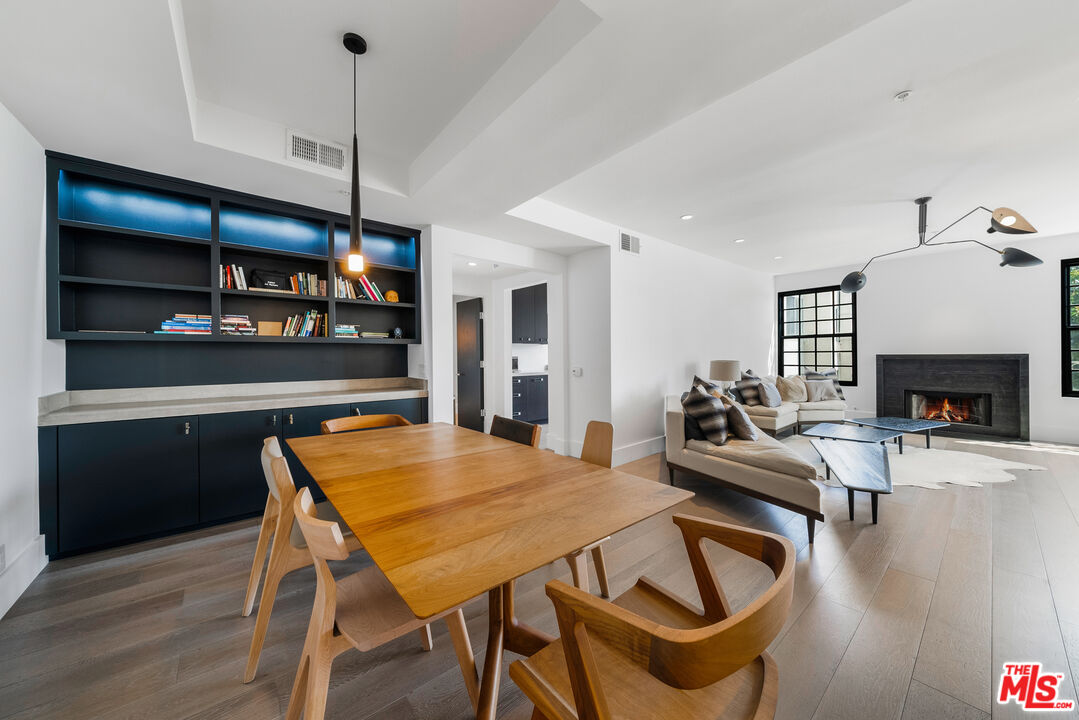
[{"x": 909, "y": 619}]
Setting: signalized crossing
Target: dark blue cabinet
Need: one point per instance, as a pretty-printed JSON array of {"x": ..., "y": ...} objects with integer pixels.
[
  {"x": 231, "y": 481},
  {"x": 118, "y": 481},
  {"x": 301, "y": 422},
  {"x": 530, "y": 398},
  {"x": 529, "y": 315},
  {"x": 412, "y": 409}
]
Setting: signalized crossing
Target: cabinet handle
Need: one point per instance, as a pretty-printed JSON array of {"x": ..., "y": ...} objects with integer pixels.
[
  {"x": 357, "y": 412},
  {"x": 273, "y": 419},
  {"x": 290, "y": 420},
  {"x": 187, "y": 428},
  {"x": 516, "y": 394}
]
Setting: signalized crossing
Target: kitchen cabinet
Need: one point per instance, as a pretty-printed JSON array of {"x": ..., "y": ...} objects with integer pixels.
[
  {"x": 530, "y": 398},
  {"x": 529, "y": 315},
  {"x": 231, "y": 480}
]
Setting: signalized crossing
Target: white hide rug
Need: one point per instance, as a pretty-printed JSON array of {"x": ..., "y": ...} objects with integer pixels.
[{"x": 932, "y": 468}]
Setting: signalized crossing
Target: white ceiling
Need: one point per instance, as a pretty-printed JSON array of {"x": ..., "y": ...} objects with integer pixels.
[{"x": 768, "y": 121}]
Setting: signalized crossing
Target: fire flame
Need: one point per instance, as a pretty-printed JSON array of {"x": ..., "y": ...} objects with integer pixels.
[{"x": 947, "y": 413}]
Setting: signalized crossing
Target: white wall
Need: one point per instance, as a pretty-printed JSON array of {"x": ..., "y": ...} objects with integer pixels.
[
  {"x": 961, "y": 301},
  {"x": 29, "y": 366},
  {"x": 588, "y": 304}
]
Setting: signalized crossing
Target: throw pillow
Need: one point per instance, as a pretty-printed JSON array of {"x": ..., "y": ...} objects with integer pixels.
[
  {"x": 749, "y": 391},
  {"x": 739, "y": 422},
  {"x": 821, "y": 390},
  {"x": 827, "y": 375},
  {"x": 692, "y": 427},
  {"x": 769, "y": 394},
  {"x": 710, "y": 414},
  {"x": 792, "y": 389}
]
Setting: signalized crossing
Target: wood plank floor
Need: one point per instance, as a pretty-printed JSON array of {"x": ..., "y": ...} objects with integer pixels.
[{"x": 909, "y": 619}]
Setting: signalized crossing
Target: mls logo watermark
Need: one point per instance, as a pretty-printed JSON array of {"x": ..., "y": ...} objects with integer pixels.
[{"x": 1027, "y": 686}]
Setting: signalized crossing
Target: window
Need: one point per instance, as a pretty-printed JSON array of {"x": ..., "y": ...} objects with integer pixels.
[
  {"x": 817, "y": 332},
  {"x": 1069, "y": 344}
]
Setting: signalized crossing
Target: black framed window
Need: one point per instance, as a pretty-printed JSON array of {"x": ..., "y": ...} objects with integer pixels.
[
  {"x": 1069, "y": 344},
  {"x": 818, "y": 331}
]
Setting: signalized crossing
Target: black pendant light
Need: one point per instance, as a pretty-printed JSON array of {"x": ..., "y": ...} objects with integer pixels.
[
  {"x": 357, "y": 46},
  {"x": 1003, "y": 220}
]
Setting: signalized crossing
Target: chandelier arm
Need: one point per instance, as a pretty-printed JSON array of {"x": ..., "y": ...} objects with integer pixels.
[
  {"x": 894, "y": 252},
  {"x": 961, "y": 219},
  {"x": 977, "y": 242}
]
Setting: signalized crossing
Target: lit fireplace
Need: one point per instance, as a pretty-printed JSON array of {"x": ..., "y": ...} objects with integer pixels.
[{"x": 953, "y": 407}]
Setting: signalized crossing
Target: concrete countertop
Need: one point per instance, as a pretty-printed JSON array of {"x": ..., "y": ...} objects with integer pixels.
[
  {"x": 529, "y": 374},
  {"x": 89, "y": 406}
]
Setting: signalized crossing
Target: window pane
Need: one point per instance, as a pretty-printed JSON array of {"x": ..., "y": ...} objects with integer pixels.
[
  {"x": 809, "y": 314},
  {"x": 846, "y": 374},
  {"x": 824, "y": 343},
  {"x": 1075, "y": 295},
  {"x": 1074, "y": 274},
  {"x": 789, "y": 370},
  {"x": 790, "y": 344},
  {"x": 824, "y": 359},
  {"x": 1075, "y": 339},
  {"x": 1075, "y": 360},
  {"x": 825, "y": 298},
  {"x": 844, "y": 311},
  {"x": 790, "y": 329},
  {"x": 1075, "y": 316},
  {"x": 825, "y": 327},
  {"x": 790, "y": 358},
  {"x": 1075, "y": 381},
  {"x": 790, "y": 315},
  {"x": 808, "y": 300},
  {"x": 845, "y": 326},
  {"x": 810, "y": 328},
  {"x": 808, "y": 344},
  {"x": 844, "y": 358},
  {"x": 790, "y": 301}
]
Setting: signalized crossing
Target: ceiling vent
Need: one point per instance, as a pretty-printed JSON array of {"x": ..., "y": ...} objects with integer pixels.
[
  {"x": 306, "y": 149},
  {"x": 631, "y": 244}
]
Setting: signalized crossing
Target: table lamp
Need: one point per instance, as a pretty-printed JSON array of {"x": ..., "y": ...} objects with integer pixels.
[{"x": 728, "y": 371}]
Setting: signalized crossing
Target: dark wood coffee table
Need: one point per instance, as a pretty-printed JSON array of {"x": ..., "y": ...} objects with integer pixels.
[
  {"x": 858, "y": 466},
  {"x": 854, "y": 433},
  {"x": 906, "y": 425}
]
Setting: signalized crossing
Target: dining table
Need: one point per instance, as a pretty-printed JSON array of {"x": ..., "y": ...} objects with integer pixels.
[{"x": 450, "y": 514}]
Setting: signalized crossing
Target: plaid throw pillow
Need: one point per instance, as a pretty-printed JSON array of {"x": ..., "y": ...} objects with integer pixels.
[
  {"x": 709, "y": 413},
  {"x": 749, "y": 390},
  {"x": 826, "y": 375}
]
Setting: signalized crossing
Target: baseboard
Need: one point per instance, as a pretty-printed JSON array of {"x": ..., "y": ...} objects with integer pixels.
[
  {"x": 638, "y": 450},
  {"x": 20, "y": 572}
]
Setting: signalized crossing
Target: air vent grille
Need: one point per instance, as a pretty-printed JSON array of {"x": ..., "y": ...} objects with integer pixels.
[
  {"x": 310, "y": 150},
  {"x": 631, "y": 244}
]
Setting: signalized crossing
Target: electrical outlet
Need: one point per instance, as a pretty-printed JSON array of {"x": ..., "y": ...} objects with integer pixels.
[{"x": 577, "y": 371}]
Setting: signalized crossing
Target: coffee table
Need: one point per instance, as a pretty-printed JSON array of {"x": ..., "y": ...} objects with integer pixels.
[
  {"x": 854, "y": 433},
  {"x": 858, "y": 466},
  {"x": 906, "y": 425}
]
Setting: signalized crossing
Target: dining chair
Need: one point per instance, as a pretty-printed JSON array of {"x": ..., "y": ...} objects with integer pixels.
[
  {"x": 361, "y": 611},
  {"x": 597, "y": 449},
  {"x": 652, "y": 654},
  {"x": 288, "y": 551},
  {"x": 516, "y": 430},
  {"x": 361, "y": 422}
]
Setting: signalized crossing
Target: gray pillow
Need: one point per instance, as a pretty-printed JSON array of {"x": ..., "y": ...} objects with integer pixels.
[
  {"x": 748, "y": 391},
  {"x": 830, "y": 374},
  {"x": 738, "y": 420},
  {"x": 709, "y": 413},
  {"x": 769, "y": 394},
  {"x": 821, "y": 390},
  {"x": 692, "y": 429}
]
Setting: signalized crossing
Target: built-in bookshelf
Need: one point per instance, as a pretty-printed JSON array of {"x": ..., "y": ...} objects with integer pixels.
[{"x": 138, "y": 256}]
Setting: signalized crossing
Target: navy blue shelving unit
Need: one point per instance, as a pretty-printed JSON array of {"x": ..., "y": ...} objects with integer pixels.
[{"x": 128, "y": 249}]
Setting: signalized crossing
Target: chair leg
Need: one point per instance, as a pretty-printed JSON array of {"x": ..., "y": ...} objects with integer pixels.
[
  {"x": 670, "y": 471},
  {"x": 810, "y": 526},
  {"x": 601, "y": 571},
  {"x": 455, "y": 621},
  {"x": 298, "y": 697},
  {"x": 318, "y": 686},
  {"x": 578, "y": 565},
  {"x": 274, "y": 573},
  {"x": 537, "y": 715},
  {"x": 426, "y": 639},
  {"x": 269, "y": 518}
]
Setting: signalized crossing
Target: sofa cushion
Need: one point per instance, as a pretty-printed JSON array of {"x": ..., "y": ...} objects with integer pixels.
[
  {"x": 738, "y": 421},
  {"x": 824, "y": 405},
  {"x": 762, "y": 411},
  {"x": 765, "y": 452},
  {"x": 748, "y": 390},
  {"x": 692, "y": 427},
  {"x": 792, "y": 389},
  {"x": 709, "y": 413},
  {"x": 769, "y": 394},
  {"x": 831, "y": 374}
]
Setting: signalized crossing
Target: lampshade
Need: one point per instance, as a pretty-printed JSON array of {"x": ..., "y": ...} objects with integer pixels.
[
  {"x": 1018, "y": 258},
  {"x": 1008, "y": 221},
  {"x": 853, "y": 282},
  {"x": 725, "y": 370}
]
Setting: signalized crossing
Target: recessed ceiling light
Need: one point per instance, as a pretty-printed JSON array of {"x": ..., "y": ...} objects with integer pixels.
[
  {"x": 687, "y": 216},
  {"x": 901, "y": 96},
  {"x": 471, "y": 264},
  {"x": 778, "y": 257},
  {"x": 740, "y": 240}
]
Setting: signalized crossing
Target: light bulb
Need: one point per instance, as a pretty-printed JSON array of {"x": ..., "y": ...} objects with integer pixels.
[{"x": 355, "y": 263}]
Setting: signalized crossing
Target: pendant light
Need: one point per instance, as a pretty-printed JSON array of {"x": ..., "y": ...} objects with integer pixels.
[
  {"x": 357, "y": 46},
  {"x": 1002, "y": 220}
]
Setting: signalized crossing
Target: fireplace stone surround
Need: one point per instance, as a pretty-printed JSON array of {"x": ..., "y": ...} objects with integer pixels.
[{"x": 1003, "y": 378}]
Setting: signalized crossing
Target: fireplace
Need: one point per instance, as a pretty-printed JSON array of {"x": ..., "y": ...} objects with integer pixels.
[{"x": 977, "y": 394}]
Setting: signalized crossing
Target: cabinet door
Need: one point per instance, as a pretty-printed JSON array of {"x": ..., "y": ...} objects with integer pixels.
[
  {"x": 231, "y": 481},
  {"x": 524, "y": 325},
  {"x": 537, "y": 399},
  {"x": 301, "y": 422},
  {"x": 412, "y": 409},
  {"x": 119, "y": 481},
  {"x": 520, "y": 399},
  {"x": 539, "y": 314}
]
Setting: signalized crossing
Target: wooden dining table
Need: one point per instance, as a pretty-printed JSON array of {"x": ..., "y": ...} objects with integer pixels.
[{"x": 449, "y": 514}]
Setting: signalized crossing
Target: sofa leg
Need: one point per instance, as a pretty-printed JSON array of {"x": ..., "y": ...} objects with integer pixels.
[
  {"x": 810, "y": 527},
  {"x": 670, "y": 471}
]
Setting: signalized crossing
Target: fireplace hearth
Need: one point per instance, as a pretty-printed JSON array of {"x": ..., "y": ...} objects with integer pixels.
[{"x": 977, "y": 394}]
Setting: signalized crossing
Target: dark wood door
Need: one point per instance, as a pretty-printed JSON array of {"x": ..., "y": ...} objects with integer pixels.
[
  {"x": 539, "y": 314},
  {"x": 120, "y": 481},
  {"x": 301, "y": 422},
  {"x": 231, "y": 481},
  {"x": 412, "y": 409},
  {"x": 469, "y": 364},
  {"x": 524, "y": 323}
]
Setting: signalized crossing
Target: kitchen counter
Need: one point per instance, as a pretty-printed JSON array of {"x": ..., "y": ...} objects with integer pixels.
[
  {"x": 91, "y": 406},
  {"x": 529, "y": 374}
]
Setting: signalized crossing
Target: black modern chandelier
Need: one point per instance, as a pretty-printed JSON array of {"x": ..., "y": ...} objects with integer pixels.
[
  {"x": 357, "y": 46},
  {"x": 1003, "y": 220}
]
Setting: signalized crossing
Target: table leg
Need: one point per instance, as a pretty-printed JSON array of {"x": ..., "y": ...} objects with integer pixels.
[
  {"x": 827, "y": 472},
  {"x": 850, "y": 503},
  {"x": 492, "y": 661},
  {"x": 900, "y": 441},
  {"x": 927, "y": 438},
  {"x": 873, "y": 501},
  {"x": 520, "y": 638}
]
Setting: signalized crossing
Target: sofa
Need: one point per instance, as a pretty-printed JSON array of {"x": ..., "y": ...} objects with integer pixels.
[
  {"x": 765, "y": 468},
  {"x": 774, "y": 420}
]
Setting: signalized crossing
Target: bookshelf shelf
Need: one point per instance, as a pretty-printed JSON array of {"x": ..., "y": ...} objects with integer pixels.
[{"x": 128, "y": 250}]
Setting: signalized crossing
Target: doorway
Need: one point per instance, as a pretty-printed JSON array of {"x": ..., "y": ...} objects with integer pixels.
[{"x": 470, "y": 364}]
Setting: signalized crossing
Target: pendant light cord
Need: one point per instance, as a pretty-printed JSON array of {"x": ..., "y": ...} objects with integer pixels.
[{"x": 353, "y": 97}]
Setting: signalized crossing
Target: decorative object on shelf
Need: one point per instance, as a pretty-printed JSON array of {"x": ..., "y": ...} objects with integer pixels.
[
  {"x": 357, "y": 46},
  {"x": 397, "y": 333},
  {"x": 269, "y": 328},
  {"x": 269, "y": 280},
  {"x": 391, "y": 296},
  {"x": 1004, "y": 220}
]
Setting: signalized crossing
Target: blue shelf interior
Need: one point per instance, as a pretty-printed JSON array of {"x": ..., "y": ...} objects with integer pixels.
[
  {"x": 91, "y": 200},
  {"x": 242, "y": 226},
  {"x": 377, "y": 248}
]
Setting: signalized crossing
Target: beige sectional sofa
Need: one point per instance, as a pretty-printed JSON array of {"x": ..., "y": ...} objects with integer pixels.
[
  {"x": 777, "y": 419},
  {"x": 765, "y": 468}
]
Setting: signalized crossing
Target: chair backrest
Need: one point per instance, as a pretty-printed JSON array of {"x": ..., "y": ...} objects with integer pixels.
[
  {"x": 361, "y": 422},
  {"x": 324, "y": 542},
  {"x": 282, "y": 485},
  {"x": 598, "y": 443},
  {"x": 515, "y": 430}
]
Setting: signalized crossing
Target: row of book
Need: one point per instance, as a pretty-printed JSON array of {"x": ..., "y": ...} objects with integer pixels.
[
  {"x": 234, "y": 277},
  {"x": 346, "y": 331},
  {"x": 311, "y": 324},
  {"x": 186, "y": 324},
  {"x": 361, "y": 289},
  {"x": 237, "y": 325}
]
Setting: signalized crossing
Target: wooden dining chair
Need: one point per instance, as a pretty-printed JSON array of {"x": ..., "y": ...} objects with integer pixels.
[
  {"x": 651, "y": 654},
  {"x": 598, "y": 449},
  {"x": 515, "y": 430},
  {"x": 361, "y": 422},
  {"x": 361, "y": 611},
  {"x": 288, "y": 551}
]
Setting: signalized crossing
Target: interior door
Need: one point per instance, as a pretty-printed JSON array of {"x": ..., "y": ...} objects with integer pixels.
[{"x": 469, "y": 369}]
